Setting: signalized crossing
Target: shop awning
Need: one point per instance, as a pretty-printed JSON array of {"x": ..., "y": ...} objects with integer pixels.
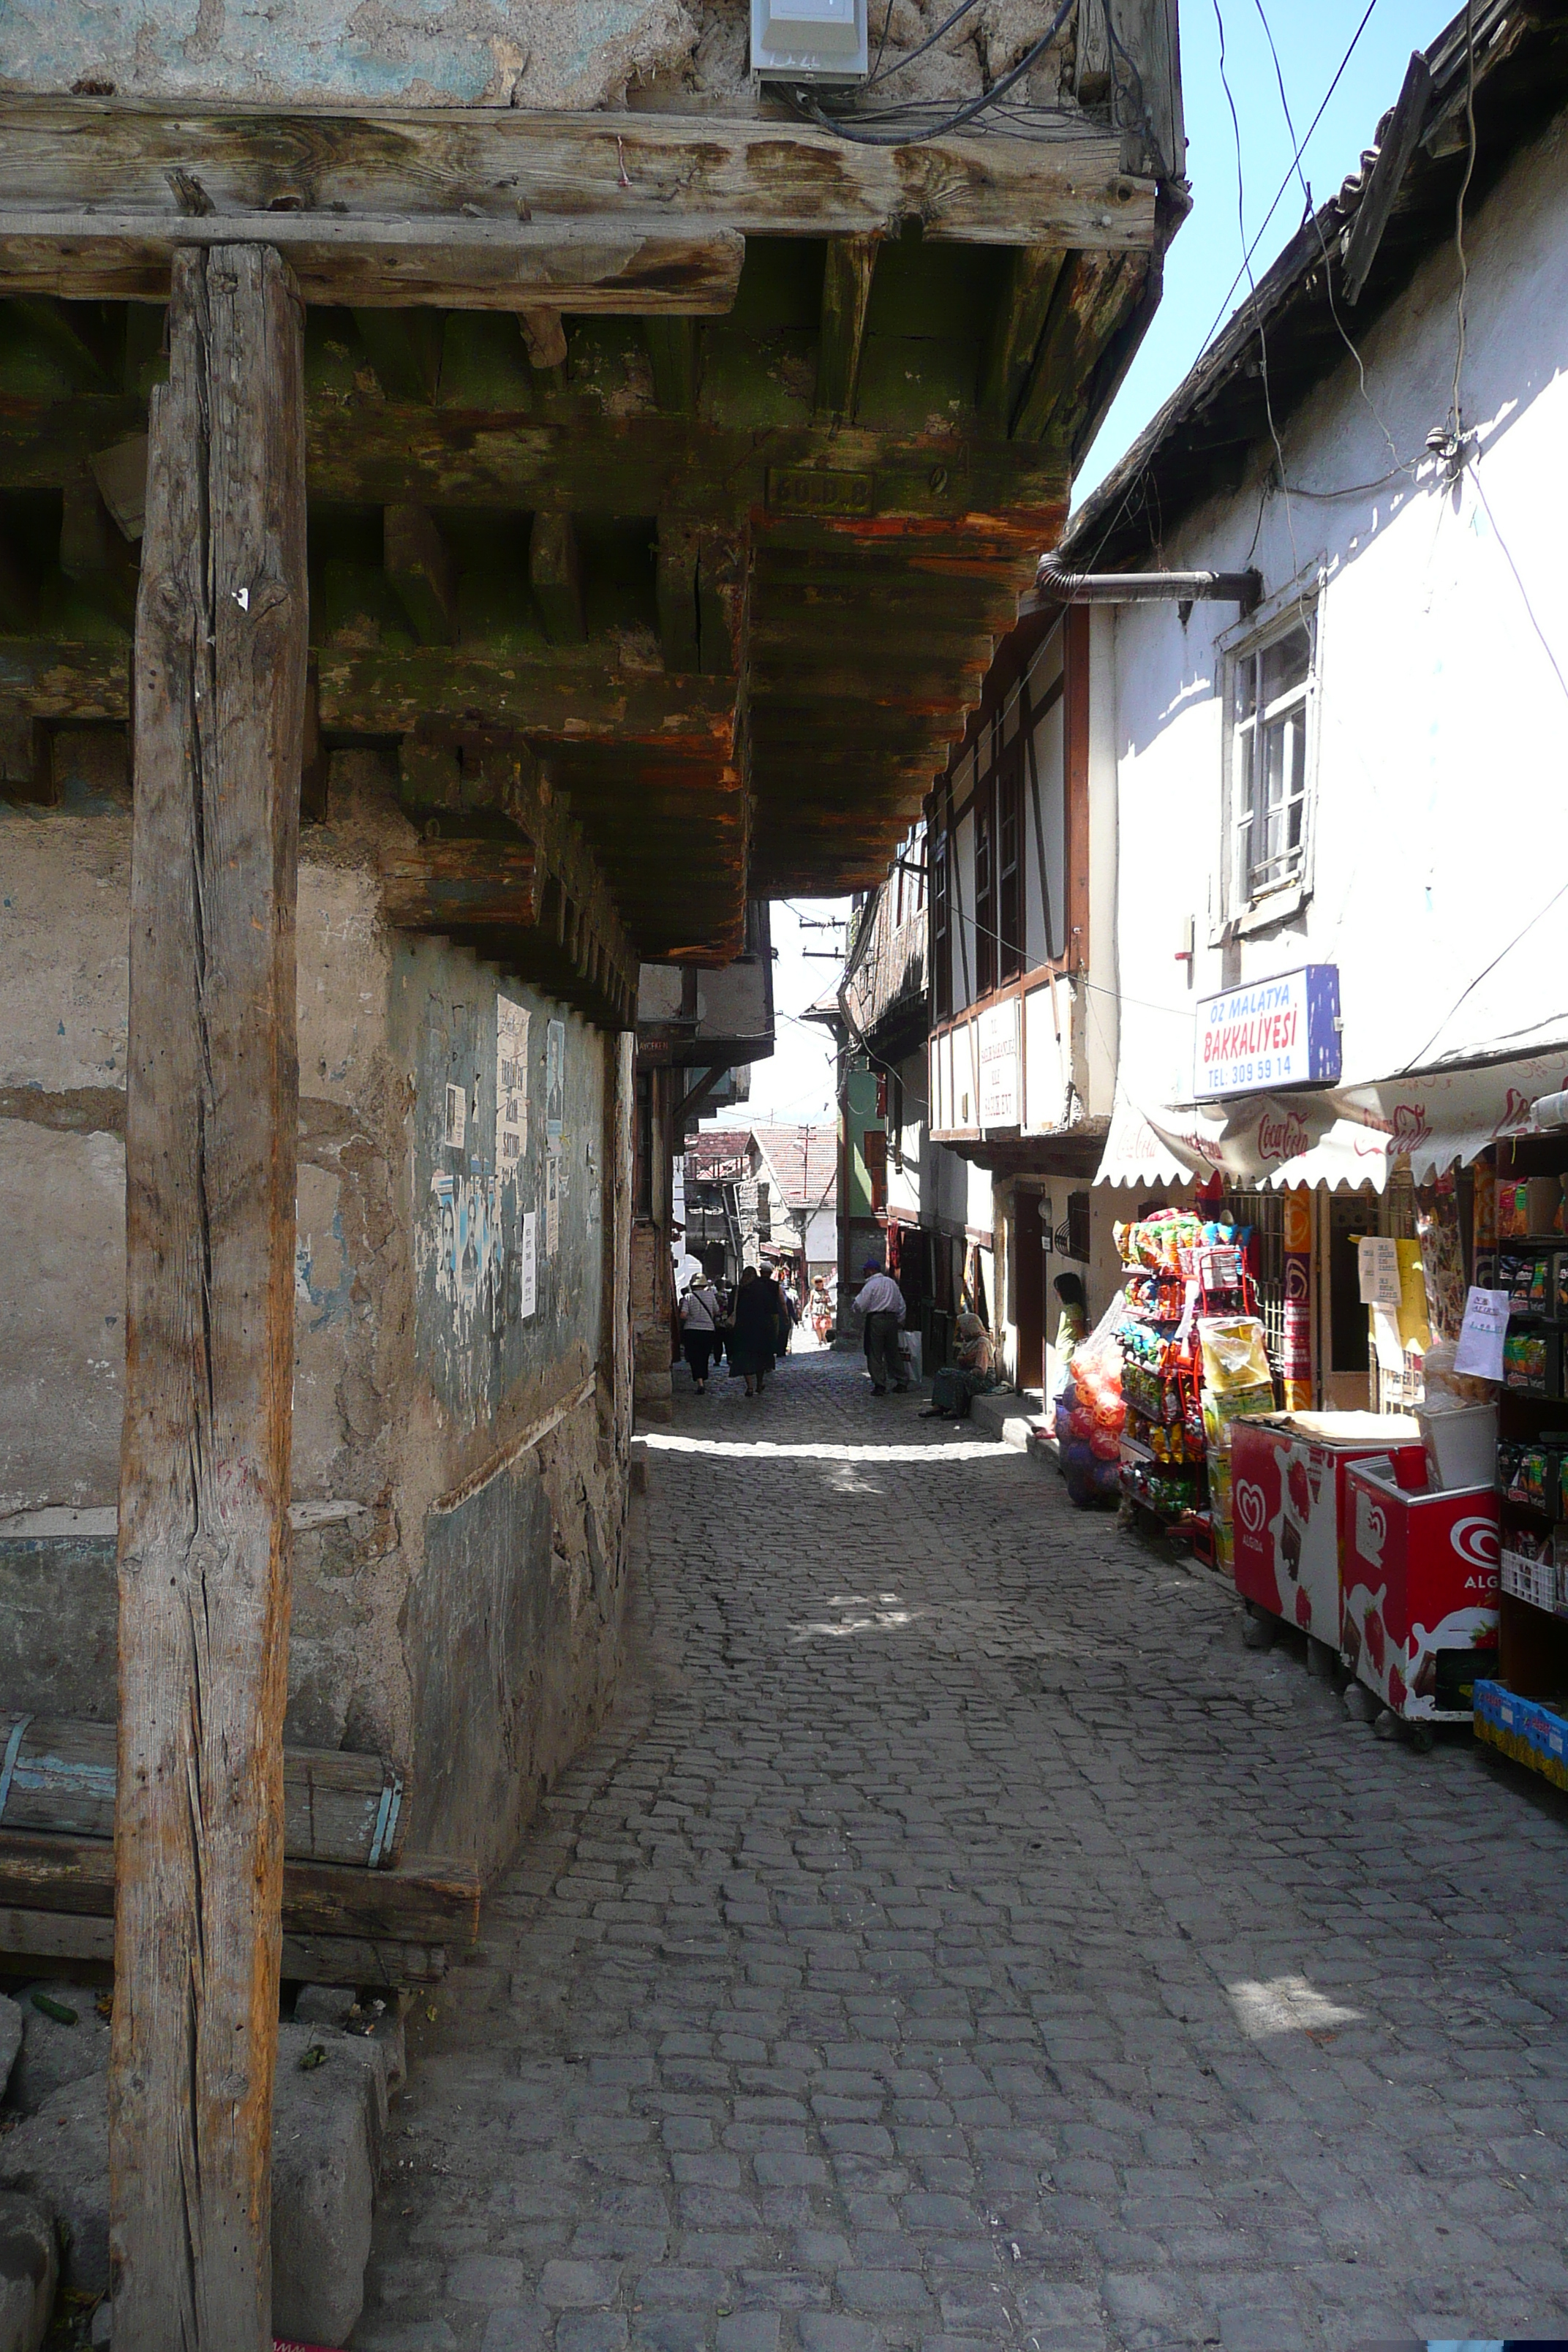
[{"x": 1348, "y": 1136}]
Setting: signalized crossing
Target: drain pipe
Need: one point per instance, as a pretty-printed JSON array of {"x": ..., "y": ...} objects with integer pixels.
[{"x": 1054, "y": 586}]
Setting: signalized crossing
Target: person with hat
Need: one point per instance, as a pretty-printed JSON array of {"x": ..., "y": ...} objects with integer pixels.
[{"x": 881, "y": 1302}]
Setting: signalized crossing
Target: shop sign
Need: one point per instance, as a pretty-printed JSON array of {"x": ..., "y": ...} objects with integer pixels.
[
  {"x": 1270, "y": 1034},
  {"x": 999, "y": 1065}
]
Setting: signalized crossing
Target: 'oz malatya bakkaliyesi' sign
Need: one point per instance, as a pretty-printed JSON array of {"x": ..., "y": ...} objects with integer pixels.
[{"x": 1269, "y": 1034}]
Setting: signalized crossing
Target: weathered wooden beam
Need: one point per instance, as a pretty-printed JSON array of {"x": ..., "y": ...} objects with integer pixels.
[
  {"x": 211, "y": 1121},
  {"x": 675, "y": 589},
  {"x": 424, "y": 1900},
  {"x": 376, "y": 263},
  {"x": 513, "y": 167},
  {"x": 18, "y": 591},
  {"x": 370, "y": 451},
  {"x": 405, "y": 348},
  {"x": 40, "y": 679},
  {"x": 420, "y": 566},
  {"x": 845, "y": 299},
  {"x": 555, "y": 575},
  {"x": 462, "y": 886},
  {"x": 26, "y": 771},
  {"x": 674, "y": 351},
  {"x": 543, "y": 336},
  {"x": 1092, "y": 296},
  {"x": 1015, "y": 331},
  {"x": 34, "y": 1935},
  {"x": 574, "y": 695},
  {"x": 93, "y": 552}
]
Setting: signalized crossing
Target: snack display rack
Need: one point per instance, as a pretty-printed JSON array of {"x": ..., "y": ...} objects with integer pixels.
[
  {"x": 1182, "y": 1272},
  {"x": 1521, "y": 1247}
]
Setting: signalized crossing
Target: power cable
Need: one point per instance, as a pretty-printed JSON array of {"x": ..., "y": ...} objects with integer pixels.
[
  {"x": 1316, "y": 219},
  {"x": 844, "y": 126},
  {"x": 1257, "y": 314},
  {"x": 1290, "y": 171},
  {"x": 1456, "y": 426}
]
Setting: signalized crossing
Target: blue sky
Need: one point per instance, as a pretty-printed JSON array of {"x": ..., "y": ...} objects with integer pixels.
[{"x": 1311, "y": 38}]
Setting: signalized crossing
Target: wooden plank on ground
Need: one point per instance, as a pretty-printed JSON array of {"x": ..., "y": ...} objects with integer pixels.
[
  {"x": 212, "y": 1120},
  {"x": 427, "y": 1900},
  {"x": 516, "y": 168},
  {"x": 306, "y": 1959}
]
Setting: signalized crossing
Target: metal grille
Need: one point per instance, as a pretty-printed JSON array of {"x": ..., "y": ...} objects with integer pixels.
[{"x": 1265, "y": 1212}]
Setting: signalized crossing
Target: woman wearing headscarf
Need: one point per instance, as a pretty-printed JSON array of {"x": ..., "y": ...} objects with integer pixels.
[
  {"x": 1074, "y": 1325},
  {"x": 754, "y": 1344},
  {"x": 956, "y": 1385}
]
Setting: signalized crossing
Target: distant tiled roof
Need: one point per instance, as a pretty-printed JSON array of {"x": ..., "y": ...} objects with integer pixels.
[
  {"x": 805, "y": 1161},
  {"x": 802, "y": 1161},
  {"x": 705, "y": 1151}
]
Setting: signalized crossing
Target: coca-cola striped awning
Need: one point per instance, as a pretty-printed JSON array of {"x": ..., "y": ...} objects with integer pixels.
[{"x": 1343, "y": 1137}]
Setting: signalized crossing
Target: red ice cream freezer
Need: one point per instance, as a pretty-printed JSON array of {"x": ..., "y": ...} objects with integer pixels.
[
  {"x": 1421, "y": 1593},
  {"x": 1288, "y": 1483}
]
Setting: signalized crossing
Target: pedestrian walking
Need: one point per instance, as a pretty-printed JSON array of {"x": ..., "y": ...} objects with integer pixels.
[
  {"x": 881, "y": 1302},
  {"x": 821, "y": 1309},
  {"x": 755, "y": 1343},
  {"x": 699, "y": 1328}
]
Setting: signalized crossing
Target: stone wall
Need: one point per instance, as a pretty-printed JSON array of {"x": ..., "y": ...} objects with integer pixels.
[
  {"x": 461, "y": 1416},
  {"x": 573, "y": 54}
]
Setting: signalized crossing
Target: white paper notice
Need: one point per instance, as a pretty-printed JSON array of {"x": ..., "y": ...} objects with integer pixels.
[
  {"x": 511, "y": 1086},
  {"x": 1386, "y": 1340},
  {"x": 1480, "y": 1351},
  {"x": 1379, "y": 1264},
  {"x": 552, "y": 1200},
  {"x": 455, "y": 1119},
  {"x": 529, "y": 1264}
]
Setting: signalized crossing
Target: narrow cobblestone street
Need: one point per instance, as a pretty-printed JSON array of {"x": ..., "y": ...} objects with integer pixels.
[{"x": 958, "y": 1939}]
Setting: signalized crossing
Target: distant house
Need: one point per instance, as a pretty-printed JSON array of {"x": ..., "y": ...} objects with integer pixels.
[{"x": 764, "y": 1195}]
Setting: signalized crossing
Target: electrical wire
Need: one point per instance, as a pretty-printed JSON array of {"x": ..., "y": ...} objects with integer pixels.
[
  {"x": 1456, "y": 426},
  {"x": 1289, "y": 172},
  {"x": 844, "y": 127},
  {"x": 1316, "y": 218},
  {"x": 909, "y": 55},
  {"x": 1258, "y": 315}
]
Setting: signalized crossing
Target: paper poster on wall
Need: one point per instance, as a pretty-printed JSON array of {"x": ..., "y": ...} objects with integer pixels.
[
  {"x": 529, "y": 1266},
  {"x": 554, "y": 1079},
  {"x": 1378, "y": 1263},
  {"x": 552, "y": 1201},
  {"x": 1480, "y": 1351},
  {"x": 512, "y": 1084},
  {"x": 456, "y": 1120}
]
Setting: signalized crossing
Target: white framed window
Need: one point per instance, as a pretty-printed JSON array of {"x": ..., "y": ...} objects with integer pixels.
[{"x": 1272, "y": 681}]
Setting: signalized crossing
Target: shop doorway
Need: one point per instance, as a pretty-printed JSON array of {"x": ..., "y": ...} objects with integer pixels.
[
  {"x": 1346, "y": 1380},
  {"x": 1030, "y": 1236}
]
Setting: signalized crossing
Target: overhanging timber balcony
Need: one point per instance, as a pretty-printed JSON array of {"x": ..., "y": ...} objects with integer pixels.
[{"x": 691, "y": 466}]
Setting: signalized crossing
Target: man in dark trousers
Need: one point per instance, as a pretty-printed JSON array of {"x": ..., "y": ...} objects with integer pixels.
[{"x": 881, "y": 1302}]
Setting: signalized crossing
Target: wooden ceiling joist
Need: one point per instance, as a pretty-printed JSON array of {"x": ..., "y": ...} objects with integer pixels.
[{"x": 499, "y": 169}]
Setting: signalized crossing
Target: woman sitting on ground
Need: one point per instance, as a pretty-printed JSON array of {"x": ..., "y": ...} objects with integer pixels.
[{"x": 957, "y": 1384}]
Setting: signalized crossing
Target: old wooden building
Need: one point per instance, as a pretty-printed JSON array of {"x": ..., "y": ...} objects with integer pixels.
[{"x": 476, "y": 508}]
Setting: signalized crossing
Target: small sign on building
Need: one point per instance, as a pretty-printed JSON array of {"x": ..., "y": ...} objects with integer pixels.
[
  {"x": 999, "y": 1063},
  {"x": 1270, "y": 1034}
]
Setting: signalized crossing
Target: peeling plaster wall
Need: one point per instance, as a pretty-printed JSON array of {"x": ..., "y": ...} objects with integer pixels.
[
  {"x": 573, "y": 54},
  {"x": 460, "y": 1463}
]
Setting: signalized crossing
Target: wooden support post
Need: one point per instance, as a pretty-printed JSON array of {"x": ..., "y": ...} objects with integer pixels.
[
  {"x": 672, "y": 348},
  {"x": 675, "y": 590},
  {"x": 845, "y": 298},
  {"x": 420, "y": 568},
  {"x": 210, "y": 1139},
  {"x": 555, "y": 575}
]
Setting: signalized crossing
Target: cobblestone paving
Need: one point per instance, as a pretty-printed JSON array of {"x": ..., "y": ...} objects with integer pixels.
[{"x": 959, "y": 1940}]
